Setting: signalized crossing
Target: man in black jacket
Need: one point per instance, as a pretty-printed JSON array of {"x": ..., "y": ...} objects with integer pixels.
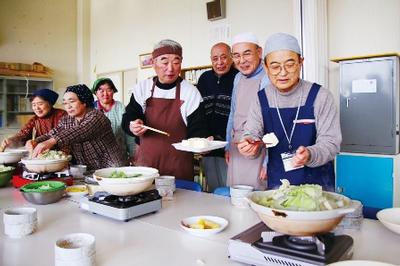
[{"x": 215, "y": 87}]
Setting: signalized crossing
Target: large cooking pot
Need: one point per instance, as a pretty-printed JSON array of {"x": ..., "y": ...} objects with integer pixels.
[
  {"x": 45, "y": 165},
  {"x": 12, "y": 156},
  {"x": 300, "y": 223},
  {"x": 125, "y": 186}
]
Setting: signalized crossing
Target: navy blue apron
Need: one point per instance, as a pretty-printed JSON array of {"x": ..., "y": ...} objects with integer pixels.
[{"x": 304, "y": 135}]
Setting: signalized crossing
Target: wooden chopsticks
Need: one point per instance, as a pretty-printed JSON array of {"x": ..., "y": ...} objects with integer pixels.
[{"x": 156, "y": 130}]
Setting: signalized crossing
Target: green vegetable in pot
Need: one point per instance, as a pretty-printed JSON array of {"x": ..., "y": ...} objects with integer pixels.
[
  {"x": 122, "y": 174},
  {"x": 4, "y": 168},
  {"x": 300, "y": 198}
]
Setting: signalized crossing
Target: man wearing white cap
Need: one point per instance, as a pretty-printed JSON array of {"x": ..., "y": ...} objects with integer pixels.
[
  {"x": 246, "y": 54},
  {"x": 166, "y": 103},
  {"x": 301, "y": 114}
]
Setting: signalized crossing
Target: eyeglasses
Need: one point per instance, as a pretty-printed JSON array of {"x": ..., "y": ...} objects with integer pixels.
[
  {"x": 246, "y": 56},
  {"x": 276, "y": 68}
]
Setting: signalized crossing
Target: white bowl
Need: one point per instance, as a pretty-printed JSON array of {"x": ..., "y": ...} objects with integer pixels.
[
  {"x": 238, "y": 195},
  {"x": 390, "y": 218},
  {"x": 45, "y": 166},
  {"x": 75, "y": 247},
  {"x": 240, "y": 190},
  {"x": 300, "y": 223},
  {"x": 125, "y": 186},
  {"x": 19, "y": 222},
  {"x": 12, "y": 156},
  {"x": 203, "y": 232},
  {"x": 165, "y": 180},
  {"x": 20, "y": 230},
  {"x": 78, "y": 171},
  {"x": 89, "y": 261},
  {"x": 22, "y": 215},
  {"x": 240, "y": 202}
]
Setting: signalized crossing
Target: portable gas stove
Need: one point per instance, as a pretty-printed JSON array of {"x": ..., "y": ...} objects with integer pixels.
[
  {"x": 29, "y": 177},
  {"x": 259, "y": 245},
  {"x": 122, "y": 208}
]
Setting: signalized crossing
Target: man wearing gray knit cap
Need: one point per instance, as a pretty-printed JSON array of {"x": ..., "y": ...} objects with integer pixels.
[{"x": 301, "y": 114}]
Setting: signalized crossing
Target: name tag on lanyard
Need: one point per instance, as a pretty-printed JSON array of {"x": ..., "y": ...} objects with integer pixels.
[{"x": 287, "y": 160}]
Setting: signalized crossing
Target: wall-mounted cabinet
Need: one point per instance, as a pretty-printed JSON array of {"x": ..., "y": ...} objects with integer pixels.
[
  {"x": 192, "y": 74},
  {"x": 15, "y": 105}
]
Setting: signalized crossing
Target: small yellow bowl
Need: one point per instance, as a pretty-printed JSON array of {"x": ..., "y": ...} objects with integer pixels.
[{"x": 77, "y": 190}]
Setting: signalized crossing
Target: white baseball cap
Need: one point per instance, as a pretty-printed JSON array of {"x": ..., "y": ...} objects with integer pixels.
[{"x": 248, "y": 37}]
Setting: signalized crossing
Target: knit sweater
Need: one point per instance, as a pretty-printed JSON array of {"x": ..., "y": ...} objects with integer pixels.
[{"x": 216, "y": 92}]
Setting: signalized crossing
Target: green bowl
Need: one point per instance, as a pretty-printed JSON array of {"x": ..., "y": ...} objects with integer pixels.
[{"x": 5, "y": 176}]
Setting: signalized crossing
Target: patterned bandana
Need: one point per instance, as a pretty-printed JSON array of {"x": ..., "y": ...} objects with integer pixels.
[
  {"x": 84, "y": 94},
  {"x": 166, "y": 50}
]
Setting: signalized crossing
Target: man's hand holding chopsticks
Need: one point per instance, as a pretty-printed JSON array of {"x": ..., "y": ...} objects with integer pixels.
[{"x": 137, "y": 128}]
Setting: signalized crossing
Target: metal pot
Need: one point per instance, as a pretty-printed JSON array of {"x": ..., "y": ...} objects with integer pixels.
[
  {"x": 300, "y": 223},
  {"x": 125, "y": 186}
]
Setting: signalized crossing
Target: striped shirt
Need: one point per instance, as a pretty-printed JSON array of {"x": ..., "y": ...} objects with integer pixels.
[
  {"x": 91, "y": 140},
  {"x": 42, "y": 125}
]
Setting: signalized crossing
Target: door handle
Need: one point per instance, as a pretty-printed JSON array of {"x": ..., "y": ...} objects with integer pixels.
[{"x": 347, "y": 102}]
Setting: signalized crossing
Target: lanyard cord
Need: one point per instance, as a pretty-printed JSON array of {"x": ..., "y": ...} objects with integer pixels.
[{"x": 280, "y": 118}]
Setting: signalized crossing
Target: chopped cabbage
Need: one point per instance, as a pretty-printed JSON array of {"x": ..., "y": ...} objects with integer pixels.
[
  {"x": 300, "y": 198},
  {"x": 4, "y": 168},
  {"x": 53, "y": 155}
]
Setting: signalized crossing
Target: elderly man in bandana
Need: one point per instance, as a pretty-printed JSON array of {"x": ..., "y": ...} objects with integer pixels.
[
  {"x": 167, "y": 103},
  {"x": 300, "y": 113},
  {"x": 85, "y": 130},
  {"x": 246, "y": 54},
  {"x": 46, "y": 118}
]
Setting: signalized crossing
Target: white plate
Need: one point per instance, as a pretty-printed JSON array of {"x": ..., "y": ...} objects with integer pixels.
[
  {"x": 390, "y": 218},
  {"x": 360, "y": 263},
  {"x": 204, "y": 232},
  {"x": 213, "y": 145}
]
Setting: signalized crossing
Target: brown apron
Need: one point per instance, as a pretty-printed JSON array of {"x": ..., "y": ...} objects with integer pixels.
[
  {"x": 241, "y": 170},
  {"x": 156, "y": 150}
]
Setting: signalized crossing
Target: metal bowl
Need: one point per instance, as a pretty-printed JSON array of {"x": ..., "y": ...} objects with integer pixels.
[
  {"x": 45, "y": 166},
  {"x": 43, "y": 197},
  {"x": 299, "y": 223},
  {"x": 125, "y": 186}
]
